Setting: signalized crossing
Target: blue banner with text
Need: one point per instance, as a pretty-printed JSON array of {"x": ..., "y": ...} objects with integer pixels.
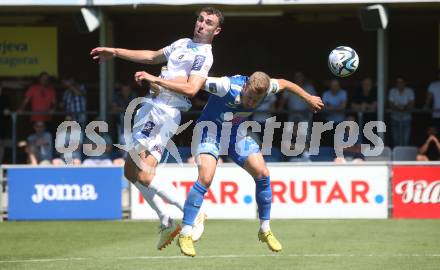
[{"x": 64, "y": 193}]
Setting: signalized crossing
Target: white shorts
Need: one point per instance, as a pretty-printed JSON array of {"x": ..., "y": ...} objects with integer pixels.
[{"x": 154, "y": 125}]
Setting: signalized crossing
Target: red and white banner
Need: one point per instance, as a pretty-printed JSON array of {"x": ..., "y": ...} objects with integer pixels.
[
  {"x": 231, "y": 195},
  {"x": 336, "y": 191},
  {"x": 416, "y": 191}
]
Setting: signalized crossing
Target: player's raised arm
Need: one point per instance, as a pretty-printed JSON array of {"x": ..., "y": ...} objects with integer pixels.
[
  {"x": 314, "y": 102},
  {"x": 218, "y": 86},
  {"x": 138, "y": 56},
  {"x": 188, "y": 88}
]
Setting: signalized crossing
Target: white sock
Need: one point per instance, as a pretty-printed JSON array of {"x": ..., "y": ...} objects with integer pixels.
[
  {"x": 155, "y": 202},
  {"x": 264, "y": 225},
  {"x": 186, "y": 230},
  {"x": 168, "y": 192}
]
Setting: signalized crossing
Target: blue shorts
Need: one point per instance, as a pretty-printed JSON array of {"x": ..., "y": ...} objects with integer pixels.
[{"x": 238, "y": 149}]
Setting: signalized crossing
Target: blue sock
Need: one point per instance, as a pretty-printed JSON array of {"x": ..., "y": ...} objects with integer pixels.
[
  {"x": 263, "y": 196},
  {"x": 193, "y": 203}
]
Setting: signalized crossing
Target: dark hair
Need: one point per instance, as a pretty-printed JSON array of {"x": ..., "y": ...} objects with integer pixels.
[
  {"x": 43, "y": 73},
  {"x": 216, "y": 12}
]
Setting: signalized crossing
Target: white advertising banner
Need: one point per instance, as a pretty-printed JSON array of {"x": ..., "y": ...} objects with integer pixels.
[
  {"x": 330, "y": 191},
  {"x": 231, "y": 195},
  {"x": 309, "y": 191}
]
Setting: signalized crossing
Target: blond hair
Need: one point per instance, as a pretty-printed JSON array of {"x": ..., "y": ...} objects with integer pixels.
[{"x": 260, "y": 82}]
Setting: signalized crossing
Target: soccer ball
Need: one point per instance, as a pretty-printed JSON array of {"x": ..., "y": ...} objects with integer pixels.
[{"x": 343, "y": 61}]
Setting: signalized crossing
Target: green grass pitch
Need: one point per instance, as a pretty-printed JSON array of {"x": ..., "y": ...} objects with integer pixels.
[{"x": 308, "y": 244}]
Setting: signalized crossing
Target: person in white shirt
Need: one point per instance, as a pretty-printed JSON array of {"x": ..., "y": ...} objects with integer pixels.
[
  {"x": 298, "y": 109},
  {"x": 401, "y": 99},
  {"x": 433, "y": 95},
  {"x": 335, "y": 100},
  {"x": 188, "y": 62}
]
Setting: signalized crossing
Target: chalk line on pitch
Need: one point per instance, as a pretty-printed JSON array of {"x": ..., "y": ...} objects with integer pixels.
[{"x": 232, "y": 256}]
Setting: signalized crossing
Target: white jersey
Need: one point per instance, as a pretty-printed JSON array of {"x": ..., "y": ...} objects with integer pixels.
[{"x": 185, "y": 58}]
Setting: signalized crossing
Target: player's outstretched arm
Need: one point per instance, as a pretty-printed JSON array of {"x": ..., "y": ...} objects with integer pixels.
[
  {"x": 138, "y": 56},
  {"x": 315, "y": 103},
  {"x": 188, "y": 88}
]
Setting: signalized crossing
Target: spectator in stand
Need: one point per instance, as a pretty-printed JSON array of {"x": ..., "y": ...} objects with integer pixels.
[
  {"x": 430, "y": 149},
  {"x": 365, "y": 100},
  {"x": 75, "y": 100},
  {"x": 39, "y": 145},
  {"x": 42, "y": 97},
  {"x": 298, "y": 109},
  {"x": 335, "y": 101},
  {"x": 4, "y": 111},
  {"x": 69, "y": 140},
  {"x": 401, "y": 99},
  {"x": 106, "y": 157},
  {"x": 121, "y": 100},
  {"x": 433, "y": 96},
  {"x": 263, "y": 112},
  {"x": 296, "y": 135},
  {"x": 352, "y": 153}
]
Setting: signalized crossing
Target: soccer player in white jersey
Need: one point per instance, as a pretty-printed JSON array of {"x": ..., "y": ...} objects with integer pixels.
[
  {"x": 188, "y": 62},
  {"x": 233, "y": 100}
]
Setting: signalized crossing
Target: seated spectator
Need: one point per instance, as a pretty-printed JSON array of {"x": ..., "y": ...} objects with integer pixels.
[
  {"x": 351, "y": 153},
  {"x": 39, "y": 145},
  {"x": 103, "y": 159},
  {"x": 263, "y": 112},
  {"x": 335, "y": 101},
  {"x": 401, "y": 99},
  {"x": 63, "y": 159},
  {"x": 118, "y": 162},
  {"x": 433, "y": 96},
  {"x": 285, "y": 144},
  {"x": 299, "y": 110},
  {"x": 430, "y": 149},
  {"x": 365, "y": 100}
]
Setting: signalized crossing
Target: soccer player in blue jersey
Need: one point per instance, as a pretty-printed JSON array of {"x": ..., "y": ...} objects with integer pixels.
[{"x": 233, "y": 99}]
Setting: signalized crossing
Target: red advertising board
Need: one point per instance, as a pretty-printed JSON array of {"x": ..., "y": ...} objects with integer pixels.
[{"x": 416, "y": 191}]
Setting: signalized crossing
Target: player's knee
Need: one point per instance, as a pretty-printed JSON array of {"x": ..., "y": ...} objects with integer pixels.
[
  {"x": 205, "y": 180},
  {"x": 145, "y": 177},
  {"x": 262, "y": 173}
]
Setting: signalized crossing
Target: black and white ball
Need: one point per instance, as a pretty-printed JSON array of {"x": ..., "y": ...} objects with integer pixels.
[{"x": 343, "y": 61}]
